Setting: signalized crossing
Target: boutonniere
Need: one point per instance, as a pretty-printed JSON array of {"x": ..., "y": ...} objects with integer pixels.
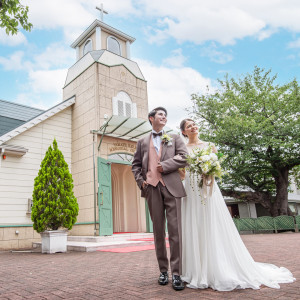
[{"x": 166, "y": 139}]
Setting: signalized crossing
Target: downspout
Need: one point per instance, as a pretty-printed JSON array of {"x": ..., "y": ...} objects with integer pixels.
[
  {"x": 96, "y": 97},
  {"x": 95, "y": 200}
]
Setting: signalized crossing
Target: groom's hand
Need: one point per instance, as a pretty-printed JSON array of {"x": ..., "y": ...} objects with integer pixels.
[{"x": 160, "y": 168}]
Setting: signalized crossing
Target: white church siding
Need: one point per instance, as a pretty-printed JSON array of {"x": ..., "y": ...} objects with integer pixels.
[{"x": 17, "y": 173}]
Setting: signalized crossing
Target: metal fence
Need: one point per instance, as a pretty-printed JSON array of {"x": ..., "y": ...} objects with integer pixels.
[{"x": 271, "y": 224}]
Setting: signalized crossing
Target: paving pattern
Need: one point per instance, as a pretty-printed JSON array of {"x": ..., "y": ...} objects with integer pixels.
[{"x": 107, "y": 275}]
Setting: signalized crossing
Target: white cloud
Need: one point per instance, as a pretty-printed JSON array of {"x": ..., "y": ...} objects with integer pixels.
[
  {"x": 51, "y": 14},
  {"x": 118, "y": 7},
  {"x": 12, "y": 40},
  {"x": 172, "y": 88},
  {"x": 294, "y": 44},
  {"x": 215, "y": 55},
  {"x": 225, "y": 22},
  {"x": 73, "y": 16},
  {"x": 196, "y": 21},
  {"x": 43, "y": 88},
  {"x": 265, "y": 33},
  {"x": 55, "y": 55},
  {"x": 15, "y": 62},
  {"x": 176, "y": 59},
  {"x": 48, "y": 81}
]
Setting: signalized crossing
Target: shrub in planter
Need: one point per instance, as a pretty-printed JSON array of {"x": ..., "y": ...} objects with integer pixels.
[{"x": 54, "y": 203}]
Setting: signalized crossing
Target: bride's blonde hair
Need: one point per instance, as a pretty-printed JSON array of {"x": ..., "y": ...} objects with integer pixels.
[{"x": 182, "y": 125}]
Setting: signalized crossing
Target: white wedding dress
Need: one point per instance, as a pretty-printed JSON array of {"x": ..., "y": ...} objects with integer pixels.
[{"x": 213, "y": 253}]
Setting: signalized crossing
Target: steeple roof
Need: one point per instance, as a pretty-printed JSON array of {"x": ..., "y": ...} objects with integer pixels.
[{"x": 119, "y": 34}]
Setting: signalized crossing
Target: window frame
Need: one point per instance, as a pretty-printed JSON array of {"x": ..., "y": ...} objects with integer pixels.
[
  {"x": 117, "y": 40},
  {"x": 88, "y": 40},
  {"x": 123, "y": 97}
]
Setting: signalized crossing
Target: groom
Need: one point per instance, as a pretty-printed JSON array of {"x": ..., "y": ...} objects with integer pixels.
[{"x": 155, "y": 167}]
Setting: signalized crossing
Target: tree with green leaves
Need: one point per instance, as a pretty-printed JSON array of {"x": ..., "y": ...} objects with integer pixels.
[
  {"x": 13, "y": 14},
  {"x": 255, "y": 122},
  {"x": 54, "y": 203}
]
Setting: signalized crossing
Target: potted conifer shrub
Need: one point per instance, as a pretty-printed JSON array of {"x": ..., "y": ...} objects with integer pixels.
[{"x": 55, "y": 207}]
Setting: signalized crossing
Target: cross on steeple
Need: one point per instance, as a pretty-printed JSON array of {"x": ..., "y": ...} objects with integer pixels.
[{"x": 102, "y": 11}]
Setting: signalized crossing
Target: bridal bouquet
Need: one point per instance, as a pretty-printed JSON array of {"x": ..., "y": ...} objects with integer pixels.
[{"x": 205, "y": 164}]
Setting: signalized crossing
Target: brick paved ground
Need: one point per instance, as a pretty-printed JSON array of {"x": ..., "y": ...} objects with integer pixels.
[{"x": 104, "y": 275}]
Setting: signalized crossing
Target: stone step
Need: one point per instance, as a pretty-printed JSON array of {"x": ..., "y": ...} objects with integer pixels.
[
  {"x": 95, "y": 243},
  {"x": 109, "y": 238}
]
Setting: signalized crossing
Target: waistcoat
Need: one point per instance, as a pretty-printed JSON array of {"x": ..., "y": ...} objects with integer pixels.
[{"x": 153, "y": 176}]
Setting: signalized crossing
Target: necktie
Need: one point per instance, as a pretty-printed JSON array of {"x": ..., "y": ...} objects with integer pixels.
[{"x": 156, "y": 134}]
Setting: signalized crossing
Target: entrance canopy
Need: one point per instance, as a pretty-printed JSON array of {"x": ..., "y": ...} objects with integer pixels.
[{"x": 126, "y": 128}]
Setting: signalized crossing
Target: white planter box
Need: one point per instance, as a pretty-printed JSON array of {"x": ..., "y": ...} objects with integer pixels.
[{"x": 54, "y": 241}]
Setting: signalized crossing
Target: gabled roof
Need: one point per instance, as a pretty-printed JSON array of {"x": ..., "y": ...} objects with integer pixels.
[
  {"x": 103, "y": 57},
  {"x": 37, "y": 119},
  {"x": 13, "y": 115},
  {"x": 119, "y": 34}
]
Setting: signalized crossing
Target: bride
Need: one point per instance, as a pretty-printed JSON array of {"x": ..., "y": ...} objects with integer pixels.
[{"x": 213, "y": 253}]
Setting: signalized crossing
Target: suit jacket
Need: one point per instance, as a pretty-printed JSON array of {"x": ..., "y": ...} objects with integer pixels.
[{"x": 172, "y": 158}]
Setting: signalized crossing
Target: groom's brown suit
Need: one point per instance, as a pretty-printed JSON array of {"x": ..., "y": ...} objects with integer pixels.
[{"x": 163, "y": 194}]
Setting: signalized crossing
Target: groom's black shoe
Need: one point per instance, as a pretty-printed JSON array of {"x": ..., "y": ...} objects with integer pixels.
[
  {"x": 177, "y": 283},
  {"x": 163, "y": 278}
]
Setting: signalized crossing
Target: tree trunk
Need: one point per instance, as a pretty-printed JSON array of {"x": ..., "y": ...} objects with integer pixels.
[{"x": 282, "y": 183}]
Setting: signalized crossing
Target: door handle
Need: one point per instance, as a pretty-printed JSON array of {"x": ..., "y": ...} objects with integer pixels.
[{"x": 101, "y": 198}]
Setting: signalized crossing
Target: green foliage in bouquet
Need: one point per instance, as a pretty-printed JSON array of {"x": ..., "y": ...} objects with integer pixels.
[{"x": 54, "y": 203}]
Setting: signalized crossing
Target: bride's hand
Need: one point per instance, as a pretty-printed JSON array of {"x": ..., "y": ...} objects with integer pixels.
[{"x": 177, "y": 156}]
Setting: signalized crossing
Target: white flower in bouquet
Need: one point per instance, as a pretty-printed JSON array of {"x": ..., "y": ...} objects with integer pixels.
[
  {"x": 213, "y": 156},
  {"x": 204, "y": 162},
  {"x": 205, "y": 158},
  {"x": 205, "y": 169}
]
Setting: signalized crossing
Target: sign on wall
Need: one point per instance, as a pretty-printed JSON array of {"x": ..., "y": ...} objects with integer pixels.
[{"x": 123, "y": 147}]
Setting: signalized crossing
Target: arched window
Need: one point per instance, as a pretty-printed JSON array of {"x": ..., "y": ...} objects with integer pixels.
[
  {"x": 121, "y": 157},
  {"x": 113, "y": 45},
  {"x": 123, "y": 106},
  {"x": 88, "y": 46}
]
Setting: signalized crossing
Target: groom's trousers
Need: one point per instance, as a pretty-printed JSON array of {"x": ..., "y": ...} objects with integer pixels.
[{"x": 161, "y": 205}]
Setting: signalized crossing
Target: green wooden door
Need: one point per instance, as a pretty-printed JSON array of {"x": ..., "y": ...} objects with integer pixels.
[{"x": 105, "y": 197}]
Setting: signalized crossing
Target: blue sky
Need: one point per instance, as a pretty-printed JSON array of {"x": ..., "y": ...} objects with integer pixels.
[{"x": 181, "y": 46}]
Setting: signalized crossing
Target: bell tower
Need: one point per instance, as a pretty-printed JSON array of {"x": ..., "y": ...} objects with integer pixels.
[
  {"x": 105, "y": 82},
  {"x": 100, "y": 36}
]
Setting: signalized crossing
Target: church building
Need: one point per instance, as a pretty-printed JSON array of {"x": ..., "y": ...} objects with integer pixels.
[{"x": 104, "y": 111}]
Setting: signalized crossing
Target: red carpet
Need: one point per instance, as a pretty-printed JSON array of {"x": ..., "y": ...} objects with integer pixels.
[{"x": 131, "y": 249}]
